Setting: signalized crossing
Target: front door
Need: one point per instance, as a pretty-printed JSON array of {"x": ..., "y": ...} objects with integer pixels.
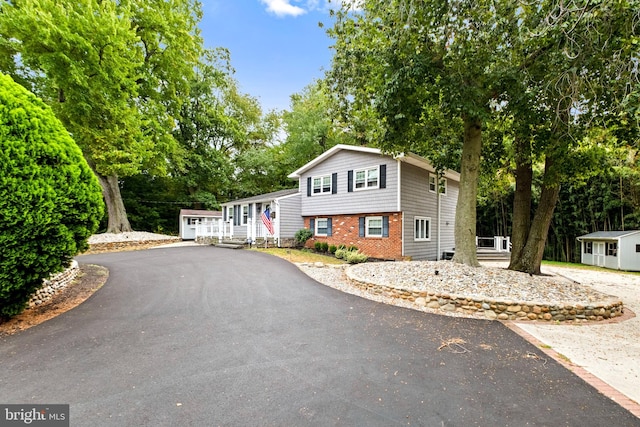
[{"x": 598, "y": 254}]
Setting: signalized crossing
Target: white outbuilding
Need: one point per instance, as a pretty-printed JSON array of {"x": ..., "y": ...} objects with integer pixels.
[
  {"x": 618, "y": 250},
  {"x": 193, "y": 222}
]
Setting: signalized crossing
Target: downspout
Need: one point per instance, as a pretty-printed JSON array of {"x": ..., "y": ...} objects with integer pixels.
[{"x": 399, "y": 208}]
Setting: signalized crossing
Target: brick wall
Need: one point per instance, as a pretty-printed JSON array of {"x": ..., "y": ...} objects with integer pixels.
[{"x": 345, "y": 231}]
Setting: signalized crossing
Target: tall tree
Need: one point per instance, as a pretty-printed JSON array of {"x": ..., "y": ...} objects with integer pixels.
[
  {"x": 419, "y": 65},
  {"x": 113, "y": 71},
  {"x": 576, "y": 71}
]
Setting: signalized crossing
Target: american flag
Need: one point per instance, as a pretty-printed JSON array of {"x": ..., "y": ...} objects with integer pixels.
[{"x": 266, "y": 220}]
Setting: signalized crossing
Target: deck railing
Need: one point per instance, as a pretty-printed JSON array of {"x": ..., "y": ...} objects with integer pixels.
[{"x": 495, "y": 243}]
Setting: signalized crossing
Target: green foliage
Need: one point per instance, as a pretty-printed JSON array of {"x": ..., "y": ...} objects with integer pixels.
[
  {"x": 340, "y": 253},
  {"x": 50, "y": 201},
  {"x": 355, "y": 257},
  {"x": 332, "y": 249},
  {"x": 302, "y": 236},
  {"x": 321, "y": 246}
]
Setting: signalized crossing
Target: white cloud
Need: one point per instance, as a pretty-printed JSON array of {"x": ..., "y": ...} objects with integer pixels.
[{"x": 283, "y": 8}]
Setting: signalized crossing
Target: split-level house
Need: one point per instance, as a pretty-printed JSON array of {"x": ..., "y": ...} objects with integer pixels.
[{"x": 389, "y": 207}]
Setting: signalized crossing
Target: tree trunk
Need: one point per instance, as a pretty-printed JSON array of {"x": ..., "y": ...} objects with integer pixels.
[
  {"x": 118, "y": 221},
  {"x": 465, "y": 227},
  {"x": 521, "y": 200},
  {"x": 530, "y": 258}
]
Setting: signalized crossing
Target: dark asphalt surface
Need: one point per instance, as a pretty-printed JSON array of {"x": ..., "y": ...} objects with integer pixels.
[{"x": 204, "y": 336}]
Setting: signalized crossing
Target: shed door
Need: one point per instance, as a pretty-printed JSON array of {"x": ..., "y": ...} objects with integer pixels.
[{"x": 598, "y": 254}]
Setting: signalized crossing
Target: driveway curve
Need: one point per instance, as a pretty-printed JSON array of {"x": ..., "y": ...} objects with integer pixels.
[{"x": 204, "y": 336}]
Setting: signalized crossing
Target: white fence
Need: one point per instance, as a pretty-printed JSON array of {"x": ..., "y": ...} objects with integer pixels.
[{"x": 495, "y": 243}]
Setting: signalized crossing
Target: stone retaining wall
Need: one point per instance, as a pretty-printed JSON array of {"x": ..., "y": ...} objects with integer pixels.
[
  {"x": 55, "y": 283},
  {"x": 501, "y": 310}
]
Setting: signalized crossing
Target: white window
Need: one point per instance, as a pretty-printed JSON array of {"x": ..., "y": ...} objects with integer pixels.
[
  {"x": 322, "y": 184},
  {"x": 432, "y": 184},
  {"x": 230, "y": 213},
  {"x": 374, "y": 226},
  {"x": 366, "y": 178},
  {"x": 245, "y": 214},
  {"x": 588, "y": 247},
  {"x": 422, "y": 229},
  {"x": 612, "y": 249},
  {"x": 322, "y": 226}
]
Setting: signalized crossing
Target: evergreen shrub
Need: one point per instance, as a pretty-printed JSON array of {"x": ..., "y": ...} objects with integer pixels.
[{"x": 50, "y": 200}]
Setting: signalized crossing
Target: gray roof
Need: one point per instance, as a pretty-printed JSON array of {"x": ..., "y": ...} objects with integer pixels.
[
  {"x": 265, "y": 197},
  {"x": 198, "y": 212},
  {"x": 607, "y": 235}
]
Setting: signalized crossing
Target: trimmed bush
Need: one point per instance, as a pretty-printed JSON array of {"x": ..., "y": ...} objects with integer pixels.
[
  {"x": 332, "y": 249},
  {"x": 355, "y": 257},
  {"x": 302, "y": 236},
  {"x": 324, "y": 247},
  {"x": 50, "y": 200},
  {"x": 318, "y": 246},
  {"x": 352, "y": 248}
]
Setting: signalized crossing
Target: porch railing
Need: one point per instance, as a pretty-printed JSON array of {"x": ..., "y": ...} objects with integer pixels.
[{"x": 495, "y": 243}]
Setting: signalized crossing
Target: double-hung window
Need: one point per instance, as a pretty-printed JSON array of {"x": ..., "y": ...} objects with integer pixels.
[
  {"x": 245, "y": 214},
  {"x": 422, "y": 230},
  {"x": 322, "y": 226},
  {"x": 374, "y": 226},
  {"x": 366, "y": 178},
  {"x": 433, "y": 179},
  {"x": 612, "y": 249},
  {"x": 322, "y": 184}
]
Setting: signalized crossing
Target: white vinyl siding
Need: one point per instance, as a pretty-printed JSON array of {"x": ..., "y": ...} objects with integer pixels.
[{"x": 355, "y": 202}]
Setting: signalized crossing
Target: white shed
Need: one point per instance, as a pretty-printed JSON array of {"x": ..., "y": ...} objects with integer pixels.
[
  {"x": 618, "y": 250},
  {"x": 191, "y": 220}
]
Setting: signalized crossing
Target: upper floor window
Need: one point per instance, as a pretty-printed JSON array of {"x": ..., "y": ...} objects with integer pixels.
[
  {"x": 366, "y": 178},
  {"x": 433, "y": 178},
  {"x": 322, "y": 184}
]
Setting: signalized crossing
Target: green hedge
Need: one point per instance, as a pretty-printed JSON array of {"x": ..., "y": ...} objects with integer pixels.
[{"x": 50, "y": 201}]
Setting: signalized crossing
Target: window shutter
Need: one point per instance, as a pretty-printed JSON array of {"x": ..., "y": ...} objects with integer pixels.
[
  {"x": 236, "y": 214},
  {"x": 334, "y": 183},
  {"x": 309, "y": 187},
  {"x": 312, "y": 225},
  {"x": 250, "y": 211},
  {"x": 350, "y": 181},
  {"x": 385, "y": 226},
  {"x": 361, "y": 223},
  {"x": 329, "y": 228},
  {"x": 383, "y": 176},
  {"x": 224, "y": 213}
]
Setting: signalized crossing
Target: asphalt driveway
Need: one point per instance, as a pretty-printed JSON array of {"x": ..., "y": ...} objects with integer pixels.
[{"x": 205, "y": 336}]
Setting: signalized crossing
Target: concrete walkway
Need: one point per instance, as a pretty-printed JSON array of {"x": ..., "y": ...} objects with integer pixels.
[{"x": 609, "y": 351}]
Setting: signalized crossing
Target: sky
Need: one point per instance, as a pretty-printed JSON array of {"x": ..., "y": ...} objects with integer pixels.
[{"x": 277, "y": 47}]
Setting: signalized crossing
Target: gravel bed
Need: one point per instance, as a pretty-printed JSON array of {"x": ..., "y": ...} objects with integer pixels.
[
  {"x": 131, "y": 236},
  {"x": 446, "y": 277}
]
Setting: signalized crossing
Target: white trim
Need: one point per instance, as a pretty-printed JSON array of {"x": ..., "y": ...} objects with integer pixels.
[
  {"x": 321, "y": 178},
  {"x": 427, "y": 221},
  {"x": 399, "y": 187}
]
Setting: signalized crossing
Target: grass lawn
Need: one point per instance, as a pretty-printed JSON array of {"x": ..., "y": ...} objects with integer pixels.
[
  {"x": 297, "y": 255},
  {"x": 586, "y": 267}
]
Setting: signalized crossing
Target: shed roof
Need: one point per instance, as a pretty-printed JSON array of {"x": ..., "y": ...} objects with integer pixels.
[
  {"x": 265, "y": 197},
  {"x": 608, "y": 235}
]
